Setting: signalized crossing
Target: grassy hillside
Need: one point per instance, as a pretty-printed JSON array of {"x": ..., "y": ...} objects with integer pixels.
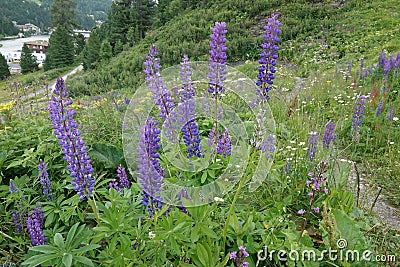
[{"x": 315, "y": 34}]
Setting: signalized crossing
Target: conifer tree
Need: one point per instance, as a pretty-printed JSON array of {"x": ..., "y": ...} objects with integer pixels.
[
  {"x": 92, "y": 50},
  {"x": 105, "y": 51},
  {"x": 28, "y": 60},
  {"x": 61, "y": 50},
  {"x": 4, "y": 71},
  {"x": 129, "y": 20},
  {"x": 63, "y": 14},
  {"x": 80, "y": 43}
]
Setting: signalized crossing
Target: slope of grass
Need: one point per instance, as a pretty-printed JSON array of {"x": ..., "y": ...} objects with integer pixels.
[{"x": 314, "y": 37}]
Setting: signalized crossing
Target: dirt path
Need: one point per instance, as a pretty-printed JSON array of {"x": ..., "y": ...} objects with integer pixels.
[
  {"x": 368, "y": 197},
  {"x": 43, "y": 90},
  {"x": 52, "y": 86}
]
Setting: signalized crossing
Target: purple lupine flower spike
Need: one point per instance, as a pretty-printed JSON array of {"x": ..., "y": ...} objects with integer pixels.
[
  {"x": 18, "y": 224},
  {"x": 268, "y": 57},
  {"x": 268, "y": 147},
  {"x": 357, "y": 117},
  {"x": 190, "y": 130},
  {"x": 150, "y": 172},
  {"x": 217, "y": 68},
  {"x": 379, "y": 108},
  {"x": 123, "y": 178},
  {"x": 12, "y": 187},
  {"x": 224, "y": 145},
  {"x": 329, "y": 135},
  {"x": 160, "y": 92},
  {"x": 73, "y": 147},
  {"x": 390, "y": 114},
  {"x": 34, "y": 224},
  {"x": 212, "y": 137},
  {"x": 44, "y": 181},
  {"x": 312, "y": 146}
]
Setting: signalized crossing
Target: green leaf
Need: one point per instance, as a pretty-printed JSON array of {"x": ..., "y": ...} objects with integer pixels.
[
  {"x": 83, "y": 260},
  {"x": 47, "y": 249},
  {"x": 202, "y": 254},
  {"x": 194, "y": 234},
  {"x": 203, "y": 177},
  {"x": 107, "y": 154},
  {"x": 67, "y": 260},
  {"x": 59, "y": 240},
  {"x": 86, "y": 248},
  {"x": 71, "y": 235},
  {"x": 206, "y": 230},
  {"x": 39, "y": 259}
]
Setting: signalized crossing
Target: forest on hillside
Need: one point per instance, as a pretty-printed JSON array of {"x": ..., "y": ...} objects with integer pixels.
[{"x": 88, "y": 12}]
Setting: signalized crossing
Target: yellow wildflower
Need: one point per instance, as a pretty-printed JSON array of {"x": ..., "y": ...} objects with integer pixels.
[{"x": 6, "y": 107}]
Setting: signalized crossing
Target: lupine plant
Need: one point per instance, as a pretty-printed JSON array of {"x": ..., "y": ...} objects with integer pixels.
[
  {"x": 45, "y": 181},
  {"x": 358, "y": 117},
  {"x": 268, "y": 57},
  {"x": 73, "y": 147},
  {"x": 190, "y": 129}
]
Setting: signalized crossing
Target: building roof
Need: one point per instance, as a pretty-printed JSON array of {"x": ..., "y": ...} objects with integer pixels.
[{"x": 38, "y": 42}]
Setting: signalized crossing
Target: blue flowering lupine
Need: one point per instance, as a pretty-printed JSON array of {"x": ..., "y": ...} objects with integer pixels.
[
  {"x": 224, "y": 145},
  {"x": 312, "y": 146},
  {"x": 190, "y": 130},
  {"x": 44, "y": 181},
  {"x": 161, "y": 94},
  {"x": 239, "y": 256},
  {"x": 213, "y": 135},
  {"x": 379, "y": 108},
  {"x": 390, "y": 114},
  {"x": 217, "y": 68},
  {"x": 123, "y": 181},
  {"x": 382, "y": 59},
  {"x": 34, "y": 223},
  {"x": 357, "y": 117},
  {"x": 150, "y": 172},
  {"x": 329, "y": 135},
  {"x": 12, "y": 188},
  {"x": 268, "y": 57},
  {"x": 73, "y": 147},
  {"x": 18, "y": 222},
  {"x": 268, "y": 147},
  {"x": 123, "y": 178},
  {"x": 349, "y": 67}
]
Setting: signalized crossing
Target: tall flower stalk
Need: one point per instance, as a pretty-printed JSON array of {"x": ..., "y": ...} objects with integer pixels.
[
  {"x": 44, "y": 181},
  {"x": 312, "y": 146},
  {"x": 161, "y": 94},
  {"x": 217, "y": 67},
  {"x": 123, "y": 181},
  {"x": 190, "y": 130},
  {"x": 357, "y": 117},
  {"x": 268, "y": 58},
  {"x": 34, "y": 224},
  {"x": 73, "y": 147},
  {"x": 150, "y": 172},
  {"x": 329, "y": 135}
]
